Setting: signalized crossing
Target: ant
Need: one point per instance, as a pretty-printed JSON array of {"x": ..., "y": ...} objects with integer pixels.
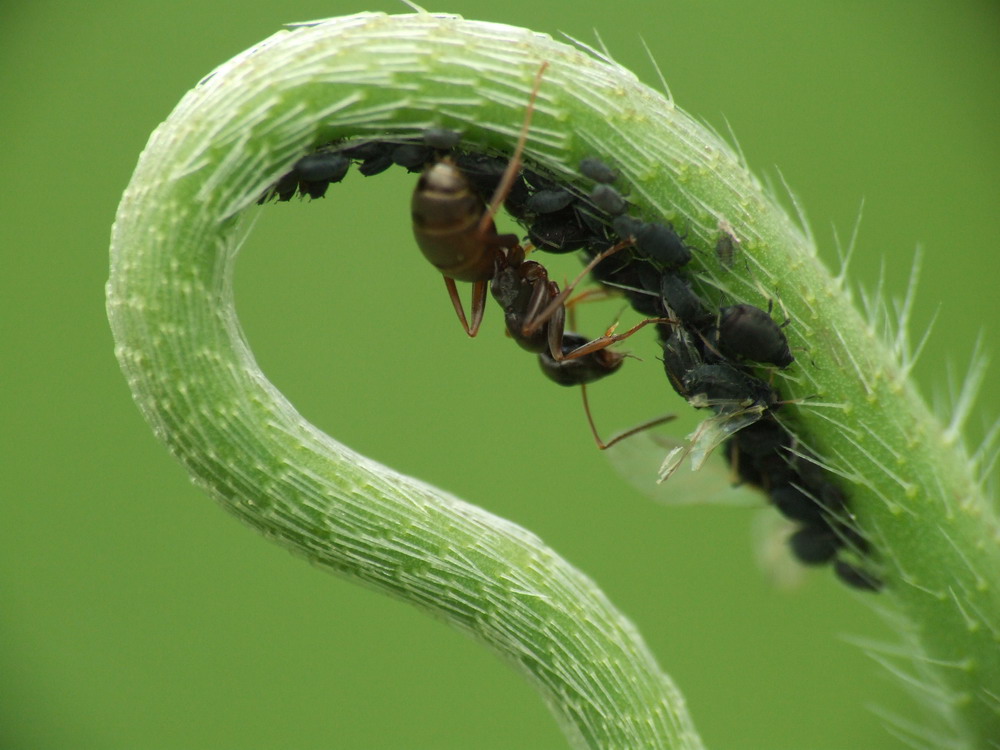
[{"x": 457, "y": 234}]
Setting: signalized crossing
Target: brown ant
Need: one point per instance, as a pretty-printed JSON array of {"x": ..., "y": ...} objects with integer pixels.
[
  {"x": 457, "y": 234},
  {"x": 535, "y": 309}
]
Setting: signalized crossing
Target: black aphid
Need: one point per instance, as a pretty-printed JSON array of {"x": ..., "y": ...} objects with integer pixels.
[
  {"x": 537, "y": 181},
  {"x": 484, "y": 173},
  {"x": 815, "y": 545},
  {"x": 680, "y": 299},
  {"x": 442, "y": 139},
  {"x": 549, "y": 201},
  {"x": 747, "y": 332},
  {"x": 680, "y": 356},
  {"x": 608, "y": 200},
  {"x": 311, "y": 175},
  {"x": 746, "y": 470},
  {"x": 761, "y": 438},
  {"x": 412, "y": 156},
  {"x": 597, "y": 170},
  {"x": 855, "y": 577},
  {"x": 797, "y": 505},
  {"x": 727, "y": 389},
  {"x": 516, "y": 202},
  {"x": 322, "y": 166},
  {"x": 588, "y": 217},
  {"x": 376, "y": 164},
  {"x": 284, "y": 188},
  {"x": 661, "y": 244},
  {"x": 766, "y": 471},
  {"x": 626, "y": 226},
  {"x": 367, "y": 150},
  {"x": 638, "y": 279},
  {"x": 559, "y": 232}
]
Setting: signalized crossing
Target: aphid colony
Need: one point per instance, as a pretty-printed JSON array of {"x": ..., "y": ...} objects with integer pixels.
[{"x": 708, "y": 355}]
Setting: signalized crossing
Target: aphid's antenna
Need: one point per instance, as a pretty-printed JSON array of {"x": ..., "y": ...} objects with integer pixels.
[{"x": 656, "y": 67}]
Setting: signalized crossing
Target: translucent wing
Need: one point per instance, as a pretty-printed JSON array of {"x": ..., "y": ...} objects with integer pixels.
[
  {"x": 770, "y": 543},
  {"x": 638, "y": 458},
  {"x": 711, "y": 433}
]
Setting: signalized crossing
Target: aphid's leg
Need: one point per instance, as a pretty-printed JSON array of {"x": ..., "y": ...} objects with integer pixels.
[
  {"x": 514, "y": 165},
  {"x": 539, "y": 320},
  {"x": 478, "y": 304},
  {"x": 711, "y": 344},
  {"x": 610, "y": 338},
  {"x": 621, "y": 435}
]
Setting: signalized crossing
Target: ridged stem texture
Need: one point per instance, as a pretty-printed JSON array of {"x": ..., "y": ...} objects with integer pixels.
[{"x": 170, "y": 301}]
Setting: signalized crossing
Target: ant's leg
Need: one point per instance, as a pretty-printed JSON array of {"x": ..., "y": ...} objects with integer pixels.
[
  {"x": 594, "y": 294},
  {"x": 514, "y": 165},
  {"x": 621, "y": 435},
  {"x": 557, "y": 326},
  {"x": 610, "y": 338},
  {"x": 560, "y": 299},
  {"x": 478, "y": 304}
]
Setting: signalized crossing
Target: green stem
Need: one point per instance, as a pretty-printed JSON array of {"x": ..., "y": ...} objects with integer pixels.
[{"x": 180, "y": 345}]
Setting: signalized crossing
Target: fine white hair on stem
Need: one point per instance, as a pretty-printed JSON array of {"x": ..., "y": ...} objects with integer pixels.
[
  {"x": 914, "y": 489},
  {"x": 846, "y": 255}
]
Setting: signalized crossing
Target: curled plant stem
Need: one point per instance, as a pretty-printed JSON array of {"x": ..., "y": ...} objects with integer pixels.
[{"x": 180, "y": 345}]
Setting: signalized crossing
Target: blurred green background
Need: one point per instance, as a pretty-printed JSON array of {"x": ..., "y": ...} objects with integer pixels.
[{"x": 134, "y": 613}]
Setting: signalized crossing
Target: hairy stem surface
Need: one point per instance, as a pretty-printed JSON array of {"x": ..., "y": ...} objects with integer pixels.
[{"x": 179, "y": 343}]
